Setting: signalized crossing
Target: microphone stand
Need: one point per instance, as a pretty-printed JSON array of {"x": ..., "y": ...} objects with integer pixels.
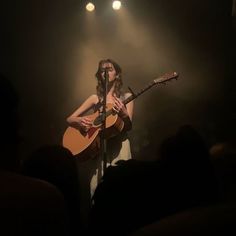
[{"x": 103, "y": 141}]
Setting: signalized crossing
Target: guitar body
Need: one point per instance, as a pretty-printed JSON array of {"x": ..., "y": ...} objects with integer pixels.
[{"x": 85, "y": 145}]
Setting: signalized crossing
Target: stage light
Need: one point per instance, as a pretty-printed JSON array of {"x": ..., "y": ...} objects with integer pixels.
[
  {"x": 90, "y": 6},
  {"x": 116, "y": 5}
]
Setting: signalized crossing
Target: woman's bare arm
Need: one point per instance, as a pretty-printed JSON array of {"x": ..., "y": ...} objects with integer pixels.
[{"x": 76, "y": 119}]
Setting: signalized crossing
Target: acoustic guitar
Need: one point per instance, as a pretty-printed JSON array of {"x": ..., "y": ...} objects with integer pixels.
[{"x": 85, "y": 145}]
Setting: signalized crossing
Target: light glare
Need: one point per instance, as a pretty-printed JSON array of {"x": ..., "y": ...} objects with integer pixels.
[
  {"x": 116, "y": 5},
  {"x": 90, "y": 7}
]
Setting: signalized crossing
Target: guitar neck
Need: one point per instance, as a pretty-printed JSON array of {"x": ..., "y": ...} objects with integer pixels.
[
  {"x": 160, "y": 80},
  {"x": 135, "y": 95}
]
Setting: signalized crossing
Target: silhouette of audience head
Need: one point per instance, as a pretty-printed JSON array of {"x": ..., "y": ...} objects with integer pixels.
[
  {"x": 185, "y": 148},
  {"x": 52, "y": 163},
  {"x": 188, "y": 158},
  {"x": 56, "y": 165},
  {"x": 29, "y": 206},
  {"x": 9, "y": 120}
]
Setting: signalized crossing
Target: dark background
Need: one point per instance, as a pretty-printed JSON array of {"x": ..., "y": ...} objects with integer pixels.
[{"x": 50, "y": 50}]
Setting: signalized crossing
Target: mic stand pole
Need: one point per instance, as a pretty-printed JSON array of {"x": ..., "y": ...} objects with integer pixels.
[{"x": 103, "y": 143}]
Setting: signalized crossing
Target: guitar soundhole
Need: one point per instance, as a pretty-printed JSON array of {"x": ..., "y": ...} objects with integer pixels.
[{"x": 97, "y": 121}]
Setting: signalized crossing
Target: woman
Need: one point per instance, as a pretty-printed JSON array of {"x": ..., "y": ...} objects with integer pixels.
[{"x": 118, "y": 147}]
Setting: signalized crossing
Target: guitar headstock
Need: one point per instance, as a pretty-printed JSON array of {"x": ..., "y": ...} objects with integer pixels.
[
  {"x": 161, "y": 80},
  {"x": 166, "y": 77}
]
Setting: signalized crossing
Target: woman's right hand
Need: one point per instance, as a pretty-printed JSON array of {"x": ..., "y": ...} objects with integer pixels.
[{"x": 84, "y": 123}]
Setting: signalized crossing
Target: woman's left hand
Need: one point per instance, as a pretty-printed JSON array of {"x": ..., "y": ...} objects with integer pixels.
[{"x": 119, "y": 107}]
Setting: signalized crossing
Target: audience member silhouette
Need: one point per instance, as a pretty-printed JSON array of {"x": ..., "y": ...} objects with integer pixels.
[
  {"x": 137, "y": 193},
  {"x": 206, "y": 219},
  {"x": 223, "y": 155},
  {"x": 187, "y": 157},
  {"x": 56, "y": 165},
  {"x": 28, "y": 206},
  {"x": 9, "y": 138}
]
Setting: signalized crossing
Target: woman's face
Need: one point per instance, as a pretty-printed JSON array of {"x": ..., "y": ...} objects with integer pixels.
[{"x": 111, "y": 71}]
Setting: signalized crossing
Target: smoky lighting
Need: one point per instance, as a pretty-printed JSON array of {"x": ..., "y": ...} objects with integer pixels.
[
  {"x": 90, "y": 7},
  {"x": 116, "y": 5}
]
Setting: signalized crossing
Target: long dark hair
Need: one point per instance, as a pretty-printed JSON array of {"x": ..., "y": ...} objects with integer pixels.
[{"x": 118, "y": 82}]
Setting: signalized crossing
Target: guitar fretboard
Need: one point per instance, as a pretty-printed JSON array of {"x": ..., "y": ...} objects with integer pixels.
[{"x": 135, "y": 95}]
